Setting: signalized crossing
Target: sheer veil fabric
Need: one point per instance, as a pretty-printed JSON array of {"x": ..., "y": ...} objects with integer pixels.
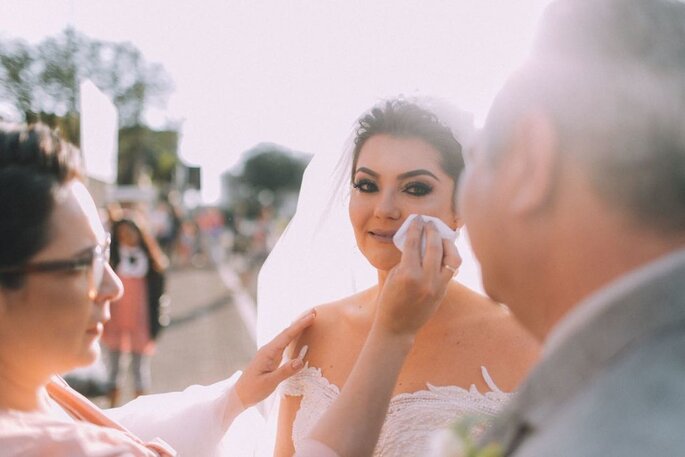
[{"x": 316, "y": 260}]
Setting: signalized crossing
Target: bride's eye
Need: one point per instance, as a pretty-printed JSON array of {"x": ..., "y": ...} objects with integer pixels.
[
  {"x": 365, "y": 185},
  {"x": 417, "y": 189}
]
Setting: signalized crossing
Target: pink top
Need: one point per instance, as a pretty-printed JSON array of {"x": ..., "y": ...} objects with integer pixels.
[
  {"x": 85, "y": 430},
  {"x": 89, "y": 433},
  {"x": 39, "y": 434}
]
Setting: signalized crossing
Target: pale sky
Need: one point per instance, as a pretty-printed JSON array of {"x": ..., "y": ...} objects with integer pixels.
[{"x": 295, "y": 72}]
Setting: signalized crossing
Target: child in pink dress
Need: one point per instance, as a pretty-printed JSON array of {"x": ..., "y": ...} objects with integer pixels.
[{"x": 134, "y": 324}]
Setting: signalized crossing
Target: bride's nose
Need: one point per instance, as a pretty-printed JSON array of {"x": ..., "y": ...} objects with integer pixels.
[{"x": 386, "y": 206}]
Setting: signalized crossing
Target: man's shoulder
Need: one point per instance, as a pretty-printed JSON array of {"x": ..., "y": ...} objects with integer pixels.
[{"x": 634, "y": 405}]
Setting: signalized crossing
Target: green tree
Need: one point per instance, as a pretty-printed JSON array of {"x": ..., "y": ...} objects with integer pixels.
[
  {"x": 19, "y": 76},
  {"x": 273, "y": 168},
  {"x": 42, "y": 83},
  {"x": 269, "y": 174},
  {"x": 146, "y": 151},
  {"x": 45, "y": 78}
]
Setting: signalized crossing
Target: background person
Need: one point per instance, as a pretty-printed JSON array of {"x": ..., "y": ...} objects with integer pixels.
[{"x": 134, "y": 324}]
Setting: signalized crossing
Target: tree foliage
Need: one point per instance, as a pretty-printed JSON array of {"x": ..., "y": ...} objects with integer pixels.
[
  {"x": 268, "y": 175},
  {"x": 273, "y": 169},
  {"x": 146, "y": 151},
  {"x": 45, "y": 77}
]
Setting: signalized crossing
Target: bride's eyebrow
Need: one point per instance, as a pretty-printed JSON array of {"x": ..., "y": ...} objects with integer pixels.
[
  {"x": 408, "y": 174},
  {"x": 419, "y": 172},
  {"x": 368, "y": 171}
]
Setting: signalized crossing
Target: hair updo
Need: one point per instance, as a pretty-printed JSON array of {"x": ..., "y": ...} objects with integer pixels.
[{"x": 404, "y": 119}]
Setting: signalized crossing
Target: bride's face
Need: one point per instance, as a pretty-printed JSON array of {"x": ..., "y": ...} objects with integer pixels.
[{"x": 396, "y": 177}]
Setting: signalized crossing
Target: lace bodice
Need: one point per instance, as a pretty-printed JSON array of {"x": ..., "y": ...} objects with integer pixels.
[{"x": 412, "y": 417}]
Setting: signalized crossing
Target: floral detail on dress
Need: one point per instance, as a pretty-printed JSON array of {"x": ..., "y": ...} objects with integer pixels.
[{"x": 412, "y": 418}]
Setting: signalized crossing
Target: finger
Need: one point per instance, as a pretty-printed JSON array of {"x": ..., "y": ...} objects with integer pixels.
[
  {"x": 283, "y": 339},
  {"x": 286, "y": 370},
  {"x": 432, "y": 261},
  {"x": 451, "y": 260},
  {"x": 411, "y": 254}
]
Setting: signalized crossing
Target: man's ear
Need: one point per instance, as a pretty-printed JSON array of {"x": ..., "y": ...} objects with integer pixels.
[{"x": 534, "y": 164}]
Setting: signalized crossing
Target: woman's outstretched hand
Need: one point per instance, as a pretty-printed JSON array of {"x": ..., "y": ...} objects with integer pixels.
[
  {"x": 264, "y": 373},
  {"x": 415, "y": 287}
]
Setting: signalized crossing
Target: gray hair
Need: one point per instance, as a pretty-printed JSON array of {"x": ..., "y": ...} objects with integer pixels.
[{"x": 611, "y": 75}]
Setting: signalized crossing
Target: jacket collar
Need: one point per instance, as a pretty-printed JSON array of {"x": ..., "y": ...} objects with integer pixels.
[{"x": 629, "y": 317}]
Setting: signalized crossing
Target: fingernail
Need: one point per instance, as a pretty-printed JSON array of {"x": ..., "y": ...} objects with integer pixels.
[
  {"x": 305, "y": 315},
  {"x": 297, "y": 364}
]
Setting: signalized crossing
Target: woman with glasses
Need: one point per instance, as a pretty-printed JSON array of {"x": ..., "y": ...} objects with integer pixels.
[
  {"x": 55, "y": 288},
  {"x": 139, "y": 262}
]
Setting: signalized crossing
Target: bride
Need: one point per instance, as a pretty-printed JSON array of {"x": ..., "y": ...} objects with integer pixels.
[{"x": 470, "y": 354}]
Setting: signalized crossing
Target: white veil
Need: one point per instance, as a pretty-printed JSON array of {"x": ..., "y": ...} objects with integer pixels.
[{"x": 316, "y": 260}]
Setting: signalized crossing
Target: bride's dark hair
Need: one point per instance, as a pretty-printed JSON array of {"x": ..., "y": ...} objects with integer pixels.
[{"x": 401, "y": 118}]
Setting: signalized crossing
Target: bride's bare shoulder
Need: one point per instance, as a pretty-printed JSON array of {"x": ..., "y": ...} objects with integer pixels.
[
  {"x": 339, "y": 326},
  {"x": 509, "y": 349}
]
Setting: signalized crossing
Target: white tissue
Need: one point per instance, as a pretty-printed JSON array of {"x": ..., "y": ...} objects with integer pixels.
[{"x": 443, "y": 229}]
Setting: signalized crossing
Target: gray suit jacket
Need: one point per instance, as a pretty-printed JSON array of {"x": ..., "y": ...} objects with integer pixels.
[{"x": 615, "y": 388}]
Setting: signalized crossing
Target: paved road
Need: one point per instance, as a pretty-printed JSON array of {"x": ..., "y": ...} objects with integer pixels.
[{"x": 206, "y": 340}]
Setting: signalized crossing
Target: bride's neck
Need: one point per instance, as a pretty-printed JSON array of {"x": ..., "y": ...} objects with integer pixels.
[{"x": 382, "y": 276}]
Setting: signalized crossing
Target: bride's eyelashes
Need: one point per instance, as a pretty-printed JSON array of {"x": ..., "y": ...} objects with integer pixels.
[
  {"x": 365, "y": 185},
  {"x": 415, "y": 188}
]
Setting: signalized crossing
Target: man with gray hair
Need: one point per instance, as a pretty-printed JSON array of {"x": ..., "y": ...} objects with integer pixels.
[
  {"x": 575, "y": 203},
  {"x": 576, "y": 208}
]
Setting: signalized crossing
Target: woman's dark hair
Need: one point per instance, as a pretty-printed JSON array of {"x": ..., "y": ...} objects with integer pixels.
[
  {"x": 401, "y": 118},
  {"x": 148, "y": 244},
  {"x": 34, "y": 163}
]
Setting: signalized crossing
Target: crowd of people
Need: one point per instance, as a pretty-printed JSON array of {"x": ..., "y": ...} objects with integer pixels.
[{"x": 573, "y": 194}]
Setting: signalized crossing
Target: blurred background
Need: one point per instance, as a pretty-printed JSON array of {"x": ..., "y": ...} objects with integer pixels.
[{"x": 200, "y": 118}]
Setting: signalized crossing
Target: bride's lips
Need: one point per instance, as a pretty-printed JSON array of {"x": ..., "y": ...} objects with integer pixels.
[{"x": 384, "y": 236}]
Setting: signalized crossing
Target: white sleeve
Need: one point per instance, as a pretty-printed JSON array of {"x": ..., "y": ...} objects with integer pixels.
[{"x": 195, "y": 421}]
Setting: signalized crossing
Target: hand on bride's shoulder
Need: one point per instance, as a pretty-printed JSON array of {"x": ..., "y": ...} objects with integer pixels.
[
  {"x": 265, "y": 372},
  {"x": 337, "y": 335}
]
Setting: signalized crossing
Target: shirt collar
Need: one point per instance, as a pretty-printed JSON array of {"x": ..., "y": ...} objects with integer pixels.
[{"x": 590, "y": 307}]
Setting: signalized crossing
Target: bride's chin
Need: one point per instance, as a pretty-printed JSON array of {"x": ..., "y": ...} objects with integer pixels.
[{"x": 383, "y": 264}]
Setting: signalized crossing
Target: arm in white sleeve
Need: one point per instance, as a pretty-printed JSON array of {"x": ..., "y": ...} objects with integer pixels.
[{"x": 193, "y": 421}]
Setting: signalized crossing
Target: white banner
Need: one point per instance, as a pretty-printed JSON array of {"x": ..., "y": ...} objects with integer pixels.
[{"x": 99, "y": 133}]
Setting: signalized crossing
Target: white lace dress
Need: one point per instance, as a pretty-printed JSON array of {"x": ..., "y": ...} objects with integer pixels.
[{"x": 412, "y": 418}]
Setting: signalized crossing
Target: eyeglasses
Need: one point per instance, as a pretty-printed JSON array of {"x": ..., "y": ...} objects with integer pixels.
[{"x": 95, "y": 259}]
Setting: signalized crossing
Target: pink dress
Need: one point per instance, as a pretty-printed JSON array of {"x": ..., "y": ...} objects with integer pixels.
[{"x": 128, "y": 330}]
